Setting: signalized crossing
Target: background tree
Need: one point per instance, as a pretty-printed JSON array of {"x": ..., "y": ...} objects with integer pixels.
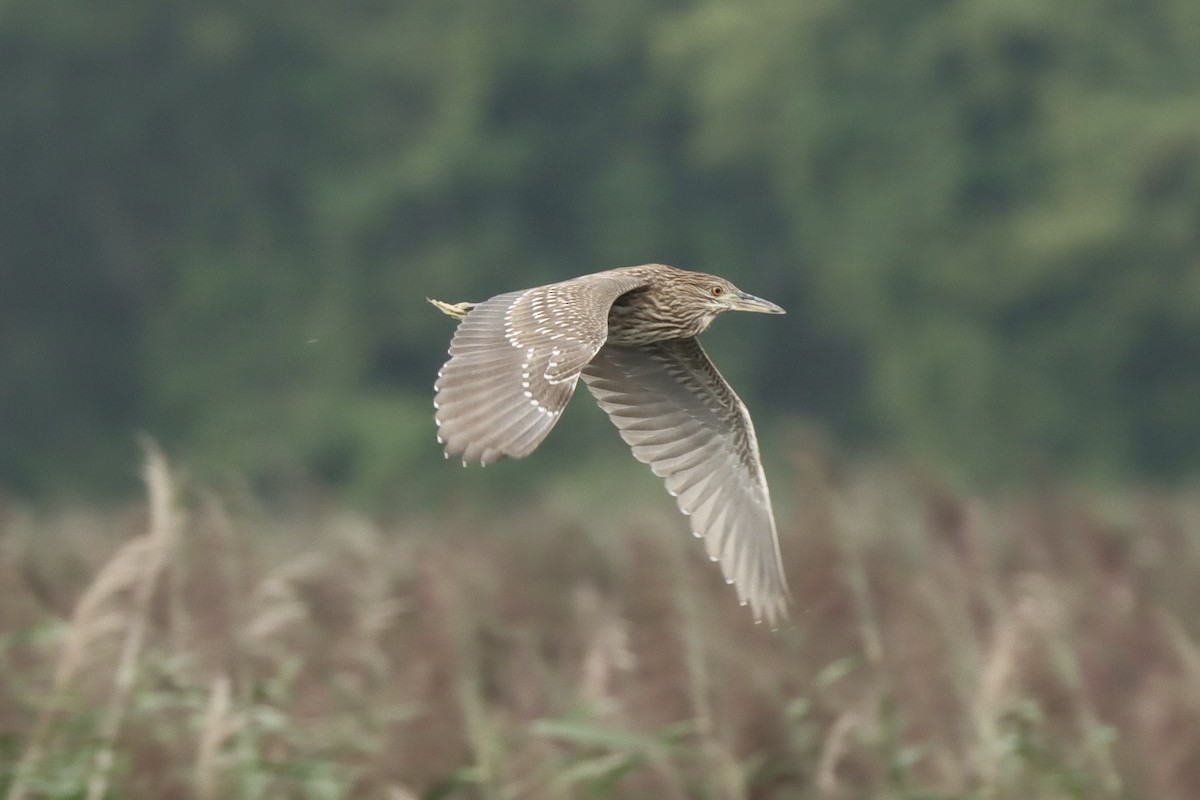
[{"x": 220, "y": 219}]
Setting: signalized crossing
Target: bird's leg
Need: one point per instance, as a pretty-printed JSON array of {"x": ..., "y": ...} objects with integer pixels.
[{"x": 456, "y": 310}]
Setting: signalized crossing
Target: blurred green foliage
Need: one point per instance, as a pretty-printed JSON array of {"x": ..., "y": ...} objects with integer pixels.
[{"x": 219, "y": 220}]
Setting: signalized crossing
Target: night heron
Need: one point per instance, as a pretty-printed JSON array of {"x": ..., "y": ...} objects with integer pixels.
[{"x": 631, "y": 334}]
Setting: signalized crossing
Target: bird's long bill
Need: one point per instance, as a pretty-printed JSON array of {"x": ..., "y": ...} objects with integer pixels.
[{"x": 748, "y": 302}]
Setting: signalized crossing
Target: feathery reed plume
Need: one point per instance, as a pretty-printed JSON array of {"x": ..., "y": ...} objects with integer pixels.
[
  {"x": 159, "y": 543},
  {"x": 832, "y": 750},
  {"x": 135, "y": 568},
  {"x": 854, "y": 521},
  {"x": 276, "y": 605},
  {"x": 999, "y": 669},
  {"x": 606, "y": 653},
  {"x": 1049, "y": 617},
  {"x": 219, "y": 725}
]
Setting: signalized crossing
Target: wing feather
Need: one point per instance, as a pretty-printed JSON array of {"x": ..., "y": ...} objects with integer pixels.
[
  {"x": 683, "y": 419},
  {"x": 515, "y": 360}
]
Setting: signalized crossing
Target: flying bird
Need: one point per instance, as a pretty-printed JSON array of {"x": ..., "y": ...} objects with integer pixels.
[{"x": 630, "y": 333}]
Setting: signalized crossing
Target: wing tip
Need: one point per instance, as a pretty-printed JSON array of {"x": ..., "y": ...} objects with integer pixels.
[{"x": 771, "y": 609}]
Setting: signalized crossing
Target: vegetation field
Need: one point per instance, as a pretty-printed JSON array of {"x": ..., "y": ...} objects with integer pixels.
[{"x": 1039, "y": 644}]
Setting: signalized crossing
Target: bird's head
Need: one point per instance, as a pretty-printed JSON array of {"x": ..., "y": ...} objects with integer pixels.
[{"x": 709, "y": 296}]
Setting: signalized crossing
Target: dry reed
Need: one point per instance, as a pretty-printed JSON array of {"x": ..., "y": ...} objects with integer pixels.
[
  {"x": 100, "y": 613},
  {"x": 1029, "y": 646}
]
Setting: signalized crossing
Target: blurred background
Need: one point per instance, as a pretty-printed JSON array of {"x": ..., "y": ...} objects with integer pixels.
[{"x": 220, "y": 222}]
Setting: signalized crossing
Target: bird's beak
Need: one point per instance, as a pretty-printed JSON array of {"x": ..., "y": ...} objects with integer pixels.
[{"x": 748, "y": 302}]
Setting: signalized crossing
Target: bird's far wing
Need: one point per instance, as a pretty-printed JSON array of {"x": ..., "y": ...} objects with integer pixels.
[
  {"x": 514, "y": 362},
  {"x": 682, "y": 418}
]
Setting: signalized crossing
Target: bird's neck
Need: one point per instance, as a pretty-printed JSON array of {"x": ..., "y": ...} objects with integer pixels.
[{"x": 641, "y": 317}]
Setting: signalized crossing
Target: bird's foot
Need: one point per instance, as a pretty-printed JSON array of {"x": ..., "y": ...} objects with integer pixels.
[{"x": 456, "y": 310}]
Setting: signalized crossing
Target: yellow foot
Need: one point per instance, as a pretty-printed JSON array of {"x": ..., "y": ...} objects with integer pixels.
[{"x": 456, "y": 310}]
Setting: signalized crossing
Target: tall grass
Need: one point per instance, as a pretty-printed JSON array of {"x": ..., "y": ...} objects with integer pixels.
[{"x": 1036, "y": 645}]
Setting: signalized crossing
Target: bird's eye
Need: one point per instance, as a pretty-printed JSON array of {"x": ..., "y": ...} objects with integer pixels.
[{"x": 717, "y": 291}]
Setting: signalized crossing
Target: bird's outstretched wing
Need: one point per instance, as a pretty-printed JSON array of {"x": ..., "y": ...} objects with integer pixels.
[
  {"x": 514, "y": 362},
  {"x": 682, "y": 418}
]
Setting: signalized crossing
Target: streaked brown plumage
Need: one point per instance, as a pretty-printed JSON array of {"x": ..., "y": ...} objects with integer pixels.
[{"x": 631, "y": 334}]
